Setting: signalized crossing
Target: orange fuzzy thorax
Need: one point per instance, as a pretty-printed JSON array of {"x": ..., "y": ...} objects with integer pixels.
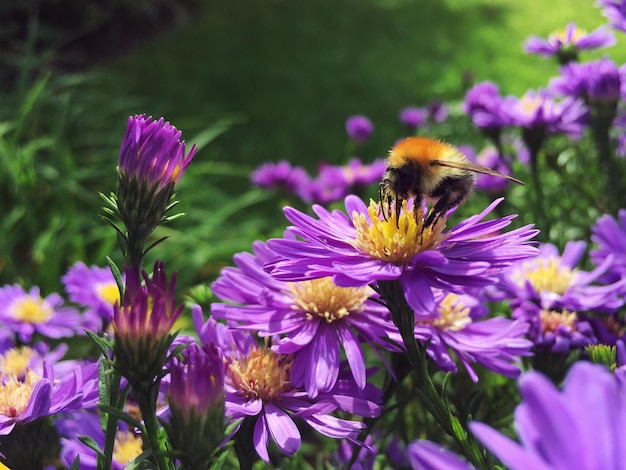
[{"x": 422, "y": 151}]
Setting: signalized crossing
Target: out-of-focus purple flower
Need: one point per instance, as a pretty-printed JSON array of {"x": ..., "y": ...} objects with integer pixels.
[
  {"x": 620, "y": 149},
  {"x": 426, "y": 455},
  {"x": 196, "y": 398},
  {"x": 366, "y": 454},
  {"x": 27, "y": 313},
  {"x": 153, "y": 152},
  {"x": 609, "y": 234},
  {"x": 483, "y": 104},
  {"x": 490, "y": 158},
  {"x": 495, "y": 343},
  {"x": 128, "y": 444},
  {"x": 552, "y": 281},
  {"x": 566, "y": 43},
  {"x": 598, "y": 80},
  {"x": 413, "y": 117},
  {"x": 359, "y": 175},
  {"x": 581, "y": 426},
  {"x": 258, "y": 386},
  {"x": 283, "y": 176},
  {"x": 539, "y": 112},
  {"x": 555, "y": 331},
  {"x": 316, "y": 318},
  {"x": 92, "y": 287},
  {"x": 438, "y": 111},
  {"x": 359, "y": 128},
  {"x": 363, "y": 248},
  {"x": 24, "y": 399},
  {"x": 615, "y": 11}
]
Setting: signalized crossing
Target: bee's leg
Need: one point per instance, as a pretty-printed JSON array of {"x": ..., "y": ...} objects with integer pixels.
[
  {"x": 454, "y": 195},
  {"x": 382, "y": 200},
  {"x": 398, "y": 209}
]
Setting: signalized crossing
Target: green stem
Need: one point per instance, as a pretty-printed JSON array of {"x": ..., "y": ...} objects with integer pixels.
[{"x": 146, "y": 399}]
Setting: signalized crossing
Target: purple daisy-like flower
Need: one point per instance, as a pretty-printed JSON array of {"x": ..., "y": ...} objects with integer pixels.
[
  {"x": 539, "y": 112},
  {"x": 71, "y": 426},
  {"x": 438, "y": 111},
  {"x": 566, "y": 43},
  {"x": 495, "y": 343},
  {"x": 552, "y": 281},
  {"x": 413, "y": 117},
  {"x": 27, "y": 313},
  {"x": 598, "y": 80},
  {"x": 609, "y": 234},
  {"x": 581, "y": 426},
  {"x": 283, "y": 176},
  {"x": 258, "y": 384},
  {"x": 25, "y": 399},
  {"x": 315, "y": 318},
  {"x": 615, "y": 11},
  {"x": 152, "y": 151},
  {"x": 92, "y": 287},
  {"x": 359, "y": 128},
  {"x": 363, "y": 247},
  {"x": 554, "y": 330},
  {"x": 483, "y": 104},
  {"x": 426, "y": 455}
]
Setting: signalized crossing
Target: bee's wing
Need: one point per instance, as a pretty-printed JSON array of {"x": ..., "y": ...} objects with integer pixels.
[{"x": 475, "y": 168}]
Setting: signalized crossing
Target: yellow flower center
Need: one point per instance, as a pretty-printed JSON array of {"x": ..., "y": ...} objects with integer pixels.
[
  {"x": 561, "y": 36},
  {"x": 127, "y": 447},
  {"x": 546, "y": 275},
  {"x": 15, "y": 394},
  {"x": 31, "y": 310},
  {"x": 322, "y": 298},
  {"x": 109, "y": 292},
  {"x": 263, "y": 374},
  {"x": 454, "y": 314},
  {"x": 398, "y": 242},
  {"x": 529, "y": 104},
  {"x": 551, "y": 321},
  {"x": 14, "y": 362}
]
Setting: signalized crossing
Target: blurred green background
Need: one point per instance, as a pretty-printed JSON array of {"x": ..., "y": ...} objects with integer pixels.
[{"x": 250, "y": 81}]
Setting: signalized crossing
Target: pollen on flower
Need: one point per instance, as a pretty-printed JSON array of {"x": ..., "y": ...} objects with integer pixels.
[
  {"x": 552, "y": 321},
  {"x": 454, "y": 314},
  {"x": 15, "y": 394},
  {"x": 322, "y": 298},
  {"x": 15, "y": 361},
  {"x": 395, "y": 241},
  {"x": 546, "y": 275},
  {"x": 31, "y": 310},
  {"x": 127, "y": 447},
  {"x": 109, "y": 292},
  {"x": 263, "y": 374}
]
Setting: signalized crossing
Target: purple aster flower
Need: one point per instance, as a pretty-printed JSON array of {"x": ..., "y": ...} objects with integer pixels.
[
  {"x": 196, "y": 399},
  {"x": 316, "y": 318},
  {"x": 566, "y": 43},
  {"x": 555, "y": 331},
  {"x": 366, "y": 454},
  {"x": 412, "y": 118},
  {"x": 359, "y": 128},
  {"x": 27, "y": 313},
  {"x": 360, "y": 175},
  {"x": 538, "y": 112},
  {"x": 17, "y": 361},
  {"x": 438, "y": 111},
  {"x": 620, "y": 149},
  {"x": 609, "y": 235},
  {"x": 490, "y": 158},
  {"x": 152, "y": 151},
  {"x": 30, "y": 397},
  {"x": 581, "y": 426},
  {"x": 615, "y": 11},
  {"x": 598, "y": 80},
  {"x": 363, "y": 247},
  {"x": 495, "y": 343},
  {"x": 426, "y": 455},
  {"x": 552, "y": 281},
  {"x": 128, "y": 444},
  {"x": 92, "y": 287},
  {"x": 283, "y": 176},
  {"x": 483, "y": 104},
  {"x": 258, "y": 386}
]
